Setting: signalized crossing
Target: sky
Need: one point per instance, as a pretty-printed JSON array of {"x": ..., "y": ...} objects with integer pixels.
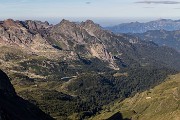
[{"x": 101, "y": 11}]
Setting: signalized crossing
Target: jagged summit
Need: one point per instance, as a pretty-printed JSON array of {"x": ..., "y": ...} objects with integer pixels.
[
  {"x": 66, "y": 23},
  {"x": 10, "y": 23},
  {"x": 36, "y": 25},
  {"x": 95, "y": 29},
  {"x": 65, "y": 26},
  {"x": 89, "y": 24}
]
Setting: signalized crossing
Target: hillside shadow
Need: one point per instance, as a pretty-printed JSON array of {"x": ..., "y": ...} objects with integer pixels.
[{"x": 117, "y": 116}]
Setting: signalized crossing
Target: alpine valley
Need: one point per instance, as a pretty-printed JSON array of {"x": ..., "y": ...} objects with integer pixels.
[{"x": 77, "y": 71}]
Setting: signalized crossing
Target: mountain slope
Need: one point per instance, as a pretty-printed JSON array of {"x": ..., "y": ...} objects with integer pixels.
[
  {"x": 13, "y": 107},
  {"x": 136, "y": 27},
  {"x": 159, "y": 103},
  {"x": 90, "y": 40},
  {"x": 162, "y": 38},
  {"x": 87, "y": 40},
  {"x": 70, "y": 70}
]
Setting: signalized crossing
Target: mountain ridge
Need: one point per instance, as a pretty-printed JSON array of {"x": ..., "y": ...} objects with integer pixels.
[{"x": 137, "y": 27}]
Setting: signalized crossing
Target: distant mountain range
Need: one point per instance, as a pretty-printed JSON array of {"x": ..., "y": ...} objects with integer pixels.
[{"x": 137, "y": 27}]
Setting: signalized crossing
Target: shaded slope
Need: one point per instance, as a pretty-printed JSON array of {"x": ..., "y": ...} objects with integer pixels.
[{"x": 13, "y": 107}]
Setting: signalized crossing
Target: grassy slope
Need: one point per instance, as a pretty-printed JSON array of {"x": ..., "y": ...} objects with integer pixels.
[{"x": 159, "y": 103}]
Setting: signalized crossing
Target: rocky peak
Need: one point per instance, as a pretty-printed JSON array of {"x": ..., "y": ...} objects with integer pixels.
[
  {"x": 90, "y": 25},
  {"x": 66, "y": 24},
  {"x": 36, "y": 25},
  {"x": 93, "y": 28},
  {"x": 69, "y": 32},
  {"x": 64, "y": 21},
  {"x": 10, "y": 23},
  {"x": 67, "y": 28},
  {"x": 14, "y": 32},
  {"x": 5, "y": 85},
  {"x": 89, "y": 22}
]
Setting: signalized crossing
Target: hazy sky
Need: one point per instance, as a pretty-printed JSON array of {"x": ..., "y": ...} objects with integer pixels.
[{"x": 121, "y": 9}]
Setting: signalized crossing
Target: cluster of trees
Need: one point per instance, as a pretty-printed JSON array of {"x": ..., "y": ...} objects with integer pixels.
[
  {"x": 95, "y": 85},
  {"x": 94, "y": 89}
]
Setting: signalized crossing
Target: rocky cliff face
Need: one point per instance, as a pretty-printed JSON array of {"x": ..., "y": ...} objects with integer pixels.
[
  {"x": 12, "y": 32},
  {"x": 26, "y": 35},
  {"x": 81, "y": 39}
]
